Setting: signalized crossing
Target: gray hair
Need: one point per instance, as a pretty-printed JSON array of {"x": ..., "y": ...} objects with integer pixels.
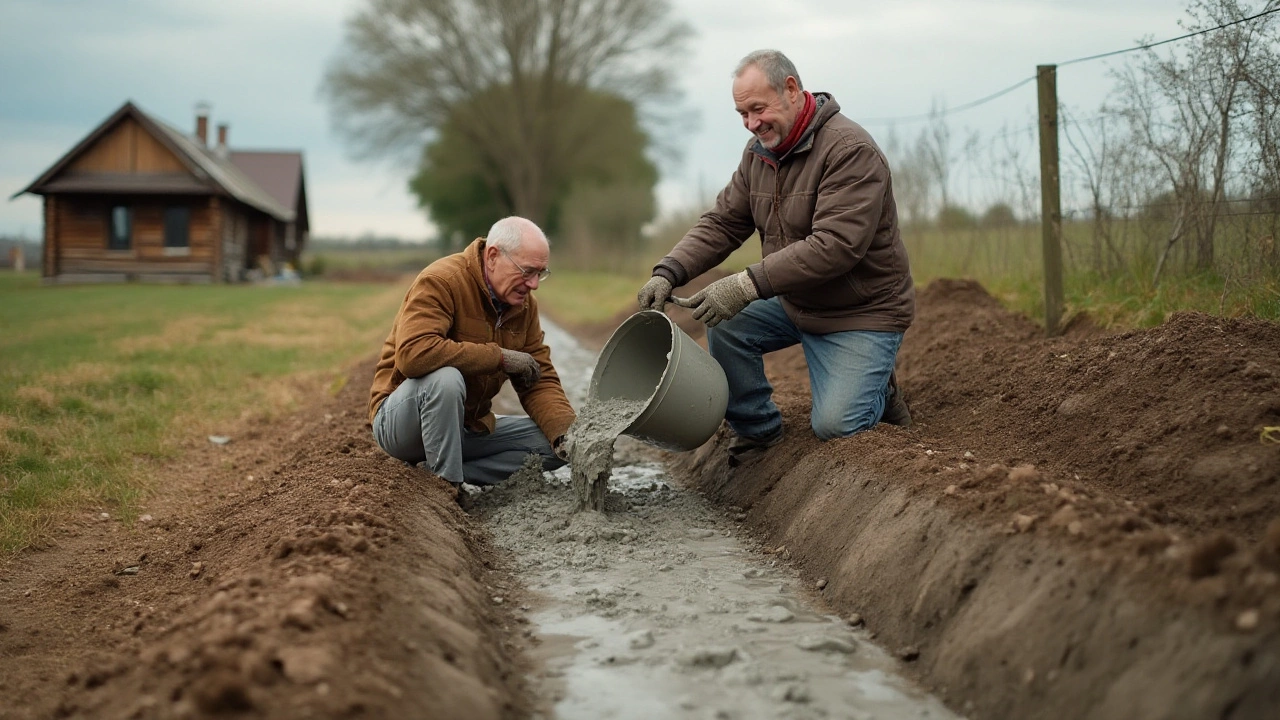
[
  {"x": 775, "y": 66},
  {"x": 509, "y": 232}
]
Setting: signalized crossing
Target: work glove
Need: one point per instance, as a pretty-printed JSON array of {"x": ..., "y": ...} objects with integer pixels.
[
  {"x": 722, "y": 299},
  {"x": 563, "y": 446},
  {"x": 521, "y": 367},
  {"x": 655, "y": 294}
]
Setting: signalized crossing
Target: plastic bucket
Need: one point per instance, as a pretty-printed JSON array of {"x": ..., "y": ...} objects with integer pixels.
[{"x": 650, "y": 358}]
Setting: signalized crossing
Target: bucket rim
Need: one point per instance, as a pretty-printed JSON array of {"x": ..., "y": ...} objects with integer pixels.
[{"x": 664, "y": 382}]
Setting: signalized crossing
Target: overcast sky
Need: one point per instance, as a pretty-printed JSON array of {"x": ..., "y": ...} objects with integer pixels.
[{"x": 65, "y": 65}]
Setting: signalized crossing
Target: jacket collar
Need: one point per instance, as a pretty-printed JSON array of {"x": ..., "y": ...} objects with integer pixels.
[{"x": 826, "y": 107}]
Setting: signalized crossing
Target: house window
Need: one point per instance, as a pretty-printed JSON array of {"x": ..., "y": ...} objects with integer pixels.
[
  {"x": 177, "y": 227},
  {"x": 121, "y": 237}
]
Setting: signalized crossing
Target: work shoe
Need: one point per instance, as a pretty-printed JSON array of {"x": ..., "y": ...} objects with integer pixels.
[
  {"x": 895, "y": 407},
  {"x": 742, "y": 447}
]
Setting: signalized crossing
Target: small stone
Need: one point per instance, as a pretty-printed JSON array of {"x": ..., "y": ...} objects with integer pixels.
[
  {"x": 104, "y": 516},
  {"x": 146, "y": 519},
  {"x": 1028, "y": 676},
  {"x": 640, "y": 640},
  {"x": 497, "y": 599},
  {"x": 951, "y": 490},
  {"x": 1024, "y": 473},
  {"x": 26, "y": 593},
  {"x": 855, "y": 620},
  {"x": 196, "y": 569},
  {"x": 968, "y": 455},
  {"x": 1247, "y": 621},
  {"x": 826, "y": 644},
  {"x": 822, "y": 584},
  {"x": 700, "y": 533},
  {"x": 791, "y": 692},
  {"x": 775, "y": 614},
  {"x": 1024, "y": 523},
  {"x": 1075, "y": 527},
  {"x": 909, "y": 653},
  {"x": 709, "y": 657},
  {"x": 219, "y": 439},
  {"x": 131, "y": 570}
]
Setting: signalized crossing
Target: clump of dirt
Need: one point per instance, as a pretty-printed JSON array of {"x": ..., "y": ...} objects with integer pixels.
[{"x": 297, "y": 571}]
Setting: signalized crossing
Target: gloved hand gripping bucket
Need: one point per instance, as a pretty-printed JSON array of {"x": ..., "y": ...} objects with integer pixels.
[{"x": 650, "y": 358}]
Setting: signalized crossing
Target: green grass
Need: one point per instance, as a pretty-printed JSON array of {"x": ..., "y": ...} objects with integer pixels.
[
  {"x": 577, "y": 297},
  {"x": 1008, "y": 263},
  {"x": 99, "y": 381}
]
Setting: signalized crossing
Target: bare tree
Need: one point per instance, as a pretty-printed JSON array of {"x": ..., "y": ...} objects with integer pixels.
[
  {"x": 934, "y": 145},
  {"x": 912, "y": 181},
  {"x": 1185, "y": 111},
  {"x": 409, "y": 66},
  {"x": 1098, "y": 157}
]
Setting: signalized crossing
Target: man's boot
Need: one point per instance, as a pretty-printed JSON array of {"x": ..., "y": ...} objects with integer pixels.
[
  {"x": 895, "y": 407},
  {"x": 741, "y": 448}
]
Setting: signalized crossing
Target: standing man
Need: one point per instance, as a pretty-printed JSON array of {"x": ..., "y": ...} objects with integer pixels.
[
  {"x": 834, "y": 275},
  {"x": 467, "y": 325}
]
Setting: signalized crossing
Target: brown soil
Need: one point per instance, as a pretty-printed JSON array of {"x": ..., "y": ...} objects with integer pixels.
[
  {"x": 1087, "y": 526},
  {"x": 295, "y": 572},
  {"x": 1079, "y": 527}
]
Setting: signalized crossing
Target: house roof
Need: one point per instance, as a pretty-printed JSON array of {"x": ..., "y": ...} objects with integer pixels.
[
  {"x": 277, "y": 172},
  {"x": 211, "y": 172}
]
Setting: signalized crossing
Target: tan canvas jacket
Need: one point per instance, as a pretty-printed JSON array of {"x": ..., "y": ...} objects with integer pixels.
[
  {"x": 828, "y": 224},
  {"x": 448, "y": 320}
]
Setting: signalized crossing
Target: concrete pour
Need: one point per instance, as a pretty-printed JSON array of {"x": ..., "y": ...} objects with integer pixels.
[{"x": 655, "y": 608}]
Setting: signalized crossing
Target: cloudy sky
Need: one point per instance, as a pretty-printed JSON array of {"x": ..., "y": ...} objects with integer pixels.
[{"x": 65, "y": 65}]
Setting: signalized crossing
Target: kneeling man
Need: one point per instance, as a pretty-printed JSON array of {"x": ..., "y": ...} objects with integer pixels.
[{"x": 467, "y": 325}]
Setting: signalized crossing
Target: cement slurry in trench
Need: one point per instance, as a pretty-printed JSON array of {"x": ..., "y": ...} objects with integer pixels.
[{"x": 655, "y": 609}]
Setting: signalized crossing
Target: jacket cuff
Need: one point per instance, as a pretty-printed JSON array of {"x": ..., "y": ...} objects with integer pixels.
[
  {"x": 761, "y": 281},
  {"x": 671, "y": 269}
]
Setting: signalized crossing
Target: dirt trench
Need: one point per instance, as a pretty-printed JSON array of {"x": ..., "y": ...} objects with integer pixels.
[
  {"x": 1079, "y": 527},
  {"x": 295, "y": 572}
]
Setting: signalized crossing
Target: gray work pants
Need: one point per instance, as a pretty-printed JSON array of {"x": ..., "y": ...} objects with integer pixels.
[{"x": 422, "y": 421}]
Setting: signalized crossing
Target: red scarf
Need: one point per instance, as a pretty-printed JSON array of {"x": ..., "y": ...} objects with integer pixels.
[{"x": 802, "y": 122}]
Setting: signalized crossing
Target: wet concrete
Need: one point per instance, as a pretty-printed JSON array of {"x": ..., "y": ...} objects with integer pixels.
[{"x": 657, "y": 609}]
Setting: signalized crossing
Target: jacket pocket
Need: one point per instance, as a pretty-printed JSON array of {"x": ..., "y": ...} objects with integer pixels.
[
  {"x": 472, "y": 330},
  {"x": 841, "y": 292}
]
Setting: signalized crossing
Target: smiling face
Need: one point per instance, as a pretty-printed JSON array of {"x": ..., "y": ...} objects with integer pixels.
[
  {"x": 765, "y": 113},
  {"x": 504, "y": 269}
]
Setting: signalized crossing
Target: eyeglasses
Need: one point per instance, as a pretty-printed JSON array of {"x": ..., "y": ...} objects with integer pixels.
[{"x": 528, "y": 275}]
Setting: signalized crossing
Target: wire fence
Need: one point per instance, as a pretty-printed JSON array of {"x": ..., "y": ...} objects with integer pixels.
[{"x": 1178, "y": 173}]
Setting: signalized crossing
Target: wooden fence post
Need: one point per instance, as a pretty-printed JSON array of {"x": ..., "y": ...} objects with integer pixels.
[{"x": 1050, "y": 196}]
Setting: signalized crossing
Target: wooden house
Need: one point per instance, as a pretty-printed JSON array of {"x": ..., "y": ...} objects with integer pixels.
[{"x": 138, "y": 199}]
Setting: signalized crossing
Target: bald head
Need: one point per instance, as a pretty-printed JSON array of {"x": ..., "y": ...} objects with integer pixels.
[{"x": 514, "y": 233}]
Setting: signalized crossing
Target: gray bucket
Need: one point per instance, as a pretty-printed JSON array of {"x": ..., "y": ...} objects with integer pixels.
[{"x": 650, "y": 358}]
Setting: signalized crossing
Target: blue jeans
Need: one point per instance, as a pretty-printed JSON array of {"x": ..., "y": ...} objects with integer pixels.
[
  {"x": 848, "y": 371},
  {"x": 422, "y": 421}
]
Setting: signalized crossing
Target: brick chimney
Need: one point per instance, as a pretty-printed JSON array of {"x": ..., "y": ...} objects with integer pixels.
[
  {"x": 222, "y": 150},
  {"x": 202, "y": 123}
]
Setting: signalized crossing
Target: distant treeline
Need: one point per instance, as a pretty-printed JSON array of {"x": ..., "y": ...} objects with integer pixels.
[{"x": 368, "y": 242}]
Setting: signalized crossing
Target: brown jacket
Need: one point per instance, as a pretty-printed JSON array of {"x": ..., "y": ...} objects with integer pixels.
[
  {"x": 447, "y": 319},
  {"x": 829, "y": 228}
]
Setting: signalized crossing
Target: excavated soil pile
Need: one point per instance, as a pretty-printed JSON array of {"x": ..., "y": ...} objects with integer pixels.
[
  {"x": 296, "y": 572},
  {"x": 1087, "y": 526}
]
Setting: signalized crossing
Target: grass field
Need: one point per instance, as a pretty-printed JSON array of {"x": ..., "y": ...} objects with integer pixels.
[
  {"x": 96, "y": 382},
  {"x": 1008, "y": 262}
]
